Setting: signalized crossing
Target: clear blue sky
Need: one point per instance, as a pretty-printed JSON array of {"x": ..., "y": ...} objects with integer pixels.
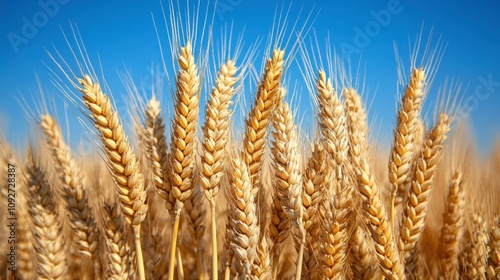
[{"x": 122, "y": 33}]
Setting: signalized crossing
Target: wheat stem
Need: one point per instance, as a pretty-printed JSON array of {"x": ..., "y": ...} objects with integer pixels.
[{"x": 175, "y": 231}]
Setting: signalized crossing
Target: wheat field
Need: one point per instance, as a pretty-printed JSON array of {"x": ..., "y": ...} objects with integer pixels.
[{"x": 184, "y": 191}]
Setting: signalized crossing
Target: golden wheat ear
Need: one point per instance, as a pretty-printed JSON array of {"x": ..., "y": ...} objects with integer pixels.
[
  {"x": 493, "y": 269},
  {"x": 215, "y": 139},
  {"x": 243, "y": 219},
  {"x": 288, "y": 173},
  {"x": 416, "y": 206},
  {"x": 183, "y": 148},
  {"x": 259, "y": 117},
  {"x": 85, "y": 234},
  {"x": 119, "y": 259},
  {"x": 316, "y": 180},
  {"x": 403, "y": 148},
  {"x": 452, "y": 231},
  {"x": 121, "y": 159},
  {"x": 380, "y": 229},
  {"x": 474, "y": 256},
  {"x": 47, "y": 230}
]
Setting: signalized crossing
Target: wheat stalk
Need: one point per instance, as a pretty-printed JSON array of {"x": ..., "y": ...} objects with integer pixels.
[
  {"x": 415, "y": 210},
  {"x": 404, "y": 145},
  {"x": 453, "y": 228},
  {"x": 48, "y": 239},
  {"x": 215, "y": 136},
  {"x": 184, "y": 140},
  {"x": 122, "y": 161}
]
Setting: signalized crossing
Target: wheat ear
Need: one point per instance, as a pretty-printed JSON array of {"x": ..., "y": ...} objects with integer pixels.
[
  {"x": 215, "y": 136},
  {"x": 118, "y": 250},
  {"x": 493, "y": 269},
  {"x": 156, "y": 147},
  {"x": 24, "y": 248},
  {"x": 453, "y": 228},
  {"x": 122, "y": 161},
  {"x": 363, "y": 264},
  {"x": 287, "y": 166},
  {"x": 333, "y": 124},
  {"x": 194, "y": 212},
  {"x": 261, "y": 268},
  {"x": 404, "y": 145},
  {"x": 259, "y": 117},
  {"x": 48, "y": 238},
  {"x": 475, "y": 251},
  {"x": 380, "y": 229},
  {"x": 358, "y": 126},
  {"x": 184, "y": 141},
  {"x": 243, "y": 217},
  {"x": 315, "y": 183},
  {"x": 81, "y": 216},
  {"x": 415, "y": 209}
]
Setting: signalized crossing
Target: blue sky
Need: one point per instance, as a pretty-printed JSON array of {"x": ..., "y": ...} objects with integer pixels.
[{"x": 123, "y": 35}]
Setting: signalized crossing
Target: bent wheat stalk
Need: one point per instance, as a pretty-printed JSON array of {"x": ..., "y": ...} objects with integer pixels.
[{"x": 122, "y": 161}]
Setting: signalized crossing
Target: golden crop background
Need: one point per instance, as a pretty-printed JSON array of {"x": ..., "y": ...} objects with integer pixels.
[{"x": 275, "y": 199}]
